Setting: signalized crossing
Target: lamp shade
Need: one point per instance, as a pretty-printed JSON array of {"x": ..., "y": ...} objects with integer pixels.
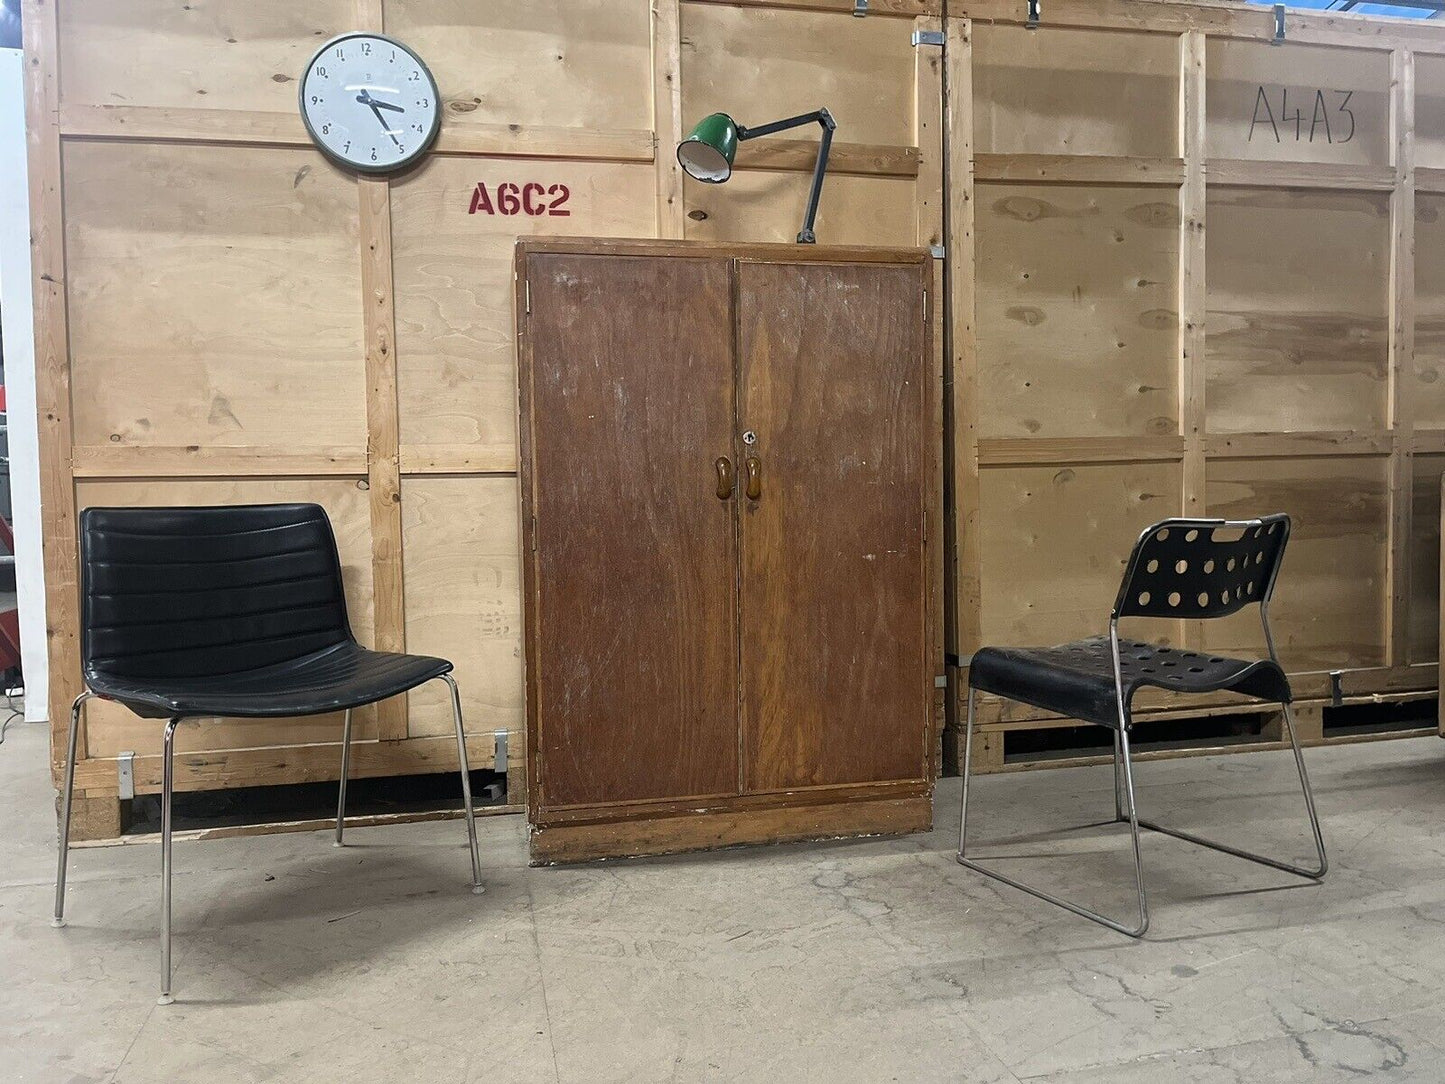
[{"x": 707, "y": 153}]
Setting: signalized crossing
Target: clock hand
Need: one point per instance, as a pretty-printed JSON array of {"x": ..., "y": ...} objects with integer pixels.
[
  {"x": 366, "y": 99},
  {"x": 386, "y": 105}
]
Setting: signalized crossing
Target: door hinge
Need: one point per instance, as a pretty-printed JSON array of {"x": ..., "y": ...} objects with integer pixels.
[
  {"x": 928, "y": 37},
  {"x": 1278, "y": 38},
  {"x": 937, "y": 251},
  {"x": 527, "y": 295},
  {"x": 125, "y": 774},
  {"x": 1032, "y": 15}
]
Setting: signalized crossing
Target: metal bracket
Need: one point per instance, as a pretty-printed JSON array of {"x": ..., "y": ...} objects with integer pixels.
[
  {"x": 1034, "y": 15},
  {"x": 125, "y": 773},
  {"x": 936, "y": 251},
  {"x": 927, "y": 37},
  {"x": 860, "y": 8},
  {"x": 940, "y": 681},
  {"x": 1337, "y": 694},
  {"x": 499, "y": 754},
  {"x": 1278, "y": 38}
]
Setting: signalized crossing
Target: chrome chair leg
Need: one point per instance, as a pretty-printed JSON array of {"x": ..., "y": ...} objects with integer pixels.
[
  {"x": 1249, "y": 856},
  {"x": 58, "y": 919},
  {"x": 168, "y": 781},
  {"x": 477, "y": 886},
  {"x": 345, "y": 770},
  {"x": 1094, "y": 916},
  {"x": 1118, "y": 798}
]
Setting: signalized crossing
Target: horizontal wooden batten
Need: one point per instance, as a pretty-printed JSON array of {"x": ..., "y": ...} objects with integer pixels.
[
  {"x": 1297, "y": 445},
  {"x": 1428, "y": 441},
  {"x": 250, "y": 128},
  {"x": 154, "y": 461},
  {"x": 1022, "y": 451},
  {"x": 1245, "y": 173},
  {"x": 1216, "y": 19},
  {"x": 864, "y": 159},
  {"x": 1429, "y": 179},
  {"x": 316, "y": 763},
  {"x": 458, "y": 459},
  {"x": 896, "y": 8},
  {"x": 1077, "y": 169}
]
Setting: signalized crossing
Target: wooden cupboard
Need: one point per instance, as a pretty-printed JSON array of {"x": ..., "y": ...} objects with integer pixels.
[{"x": 729, "y": 488}]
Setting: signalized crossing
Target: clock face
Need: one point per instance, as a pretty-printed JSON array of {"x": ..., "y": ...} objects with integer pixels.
[{"x": 369, "y": 102}]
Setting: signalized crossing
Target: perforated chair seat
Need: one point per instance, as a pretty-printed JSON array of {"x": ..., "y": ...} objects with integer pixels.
[
  {"x": 1077, "y": 679},
  {"x": 334, "y": 679}
]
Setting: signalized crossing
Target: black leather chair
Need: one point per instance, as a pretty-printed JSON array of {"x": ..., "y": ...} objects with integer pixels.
[
  {"x": 192, "y": 613},
  {"x": 1180, "y": 569}
]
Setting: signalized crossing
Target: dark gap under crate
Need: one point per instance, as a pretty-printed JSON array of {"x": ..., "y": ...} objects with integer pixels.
[
  {"x": 1064, "y": 742},
  {"x": 1382, "y": 718},
  {"x": 244, "y": 806}
]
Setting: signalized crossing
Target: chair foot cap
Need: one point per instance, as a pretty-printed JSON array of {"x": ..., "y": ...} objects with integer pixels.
[
  {"x": 337, "y": 843},
  {"x": 165, "y": 999},
  {"x": 478, "y": 890},
  {"x": 57, "y": 923}
]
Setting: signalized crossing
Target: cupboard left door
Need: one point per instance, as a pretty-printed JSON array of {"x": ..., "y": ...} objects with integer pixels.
[{"x": 628, "y": 406}]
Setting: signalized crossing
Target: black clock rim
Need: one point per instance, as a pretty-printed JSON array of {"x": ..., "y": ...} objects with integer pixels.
[{"x": 427, "y": 140}]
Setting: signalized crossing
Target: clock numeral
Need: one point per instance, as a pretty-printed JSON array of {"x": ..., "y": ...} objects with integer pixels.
[
  {"x": 348, "y": 146},
  {"x": 414, "y": 77},
  {"x": 326, "y": 129},
  {"x": 321, "y": 71},
  {"x": 373, "y": 154},
  {"x": 425, "y": 103},
  {"x": 315, "y": 100},
  {"x": 366, "y": 48},
  {"x": 339, "y": 54}
]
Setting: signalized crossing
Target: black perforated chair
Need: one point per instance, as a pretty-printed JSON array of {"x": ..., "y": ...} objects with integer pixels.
[
  {"x": 191, "y": 613},
  {"x": 1180, "y": 569}
]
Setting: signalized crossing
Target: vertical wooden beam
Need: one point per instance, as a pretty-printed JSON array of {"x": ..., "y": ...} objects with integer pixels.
[
  {"x": 1193, "y": 298},
  {"x": 52, "y": 371},
  {"x": 383, "y": 463},
  {"x": 667, "y": 114},
  {"x": 963, "y": 340},
  {"x": 1402, "y": 354}
]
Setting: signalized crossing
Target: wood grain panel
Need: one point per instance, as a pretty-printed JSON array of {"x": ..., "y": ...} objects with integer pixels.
[
  {"x": 761, "y": 206},
  {"x": 629, "y": 396},
  {"x": 453, "y": 272},
  {"x": 1054, "y": 541},
  {"x": 1292, "y": 103},
  {"x": 1296, "y": 333},
  {"x": 1077, "y": 311},
  {"x": 190, "y": 324},
  {"x": 1430, "y": 110},
  {"x": 1050, "y": 91},
  {"x": 565, "y": 63},
  {"x": 1328, "y": 610},
  {"x": 1423, "y": 632},
  {"x": 463, "y": 598},
  {"x": 113, "y": 729},
  {"x": 202, "y": 54},
  {"x": 1426, "y": 382},
  {"x": 834, "y": 379},
  {"x": 763, "y": 65}
]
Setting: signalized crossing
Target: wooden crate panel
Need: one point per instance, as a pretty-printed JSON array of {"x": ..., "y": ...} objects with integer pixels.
[
  {"x": 756, "y": 205},
  {"x": 1052, "y": 91},
  {"x": 113, "y": 730},
  {"x": 759, "y": 65},
  {"x": 205, "y": 54},
  {"x": 1054, "y": 540},
  {"x": 1078, "y": 328},
  {"x": 1296, "y": 103},
  {"x": 463, "y": 599},
  {"x": 452, "y": 261},
  {"x": 1426, "y": 399},
  {"x": 1328, "y": 611},
  {"x": 1430, "y": 110},
  {"x": 1423, "y": 643},
  {"x": 555, "y": 63},
  {"x": 189, "y": 323},
  {"x": 1296, "y": 330}
]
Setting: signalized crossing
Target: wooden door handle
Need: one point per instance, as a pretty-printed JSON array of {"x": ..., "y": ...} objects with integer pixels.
[
  {"x": 724, "y": 477},
  {"x": 755, "y": 477}
]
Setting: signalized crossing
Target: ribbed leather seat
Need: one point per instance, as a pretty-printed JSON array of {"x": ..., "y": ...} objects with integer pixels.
[{"x": 234, "y": 611}]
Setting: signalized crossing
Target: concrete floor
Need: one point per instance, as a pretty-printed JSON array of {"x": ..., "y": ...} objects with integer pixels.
[{"x": 865, "y": 961}]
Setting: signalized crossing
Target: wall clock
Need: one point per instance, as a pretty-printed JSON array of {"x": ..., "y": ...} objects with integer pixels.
[{"x": 369, "y": 102}]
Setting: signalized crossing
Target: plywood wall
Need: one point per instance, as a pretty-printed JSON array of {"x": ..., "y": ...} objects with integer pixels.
[
  {"x": 227, "y": 317},
  {"x": 1208, "y": 280}
]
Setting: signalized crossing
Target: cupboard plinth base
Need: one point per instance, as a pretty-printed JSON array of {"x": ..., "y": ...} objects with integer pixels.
[{"x": 714, "y": 828}]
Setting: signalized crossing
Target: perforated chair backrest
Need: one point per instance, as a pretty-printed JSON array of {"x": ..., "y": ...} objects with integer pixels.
[
  {"x": 197, "y": 592},
  {"x": 1182, "y": 568}
]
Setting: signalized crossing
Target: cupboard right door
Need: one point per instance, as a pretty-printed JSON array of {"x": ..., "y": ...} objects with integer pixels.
[{"x": 833, "y": 393}]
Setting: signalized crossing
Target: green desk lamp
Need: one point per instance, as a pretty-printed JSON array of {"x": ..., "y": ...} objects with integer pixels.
[{"x": 708, "y": 151}]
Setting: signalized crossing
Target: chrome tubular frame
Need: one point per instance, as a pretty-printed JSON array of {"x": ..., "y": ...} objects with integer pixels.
[
  {"x": 58, "y": 919},
  {"x": 345, "y": 771}
]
